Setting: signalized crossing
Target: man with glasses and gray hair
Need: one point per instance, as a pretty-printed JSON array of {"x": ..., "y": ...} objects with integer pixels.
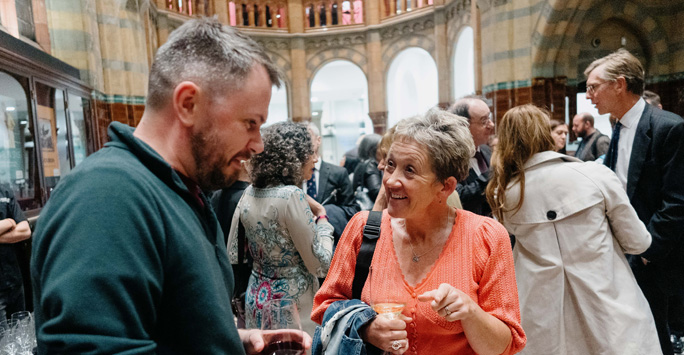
[
  {"x": 472, "y": 190},
  {"x": 647, "y": 154}
]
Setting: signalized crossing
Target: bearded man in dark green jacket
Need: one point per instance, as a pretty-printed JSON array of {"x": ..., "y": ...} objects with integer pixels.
[{"x": 128, "y": 256}]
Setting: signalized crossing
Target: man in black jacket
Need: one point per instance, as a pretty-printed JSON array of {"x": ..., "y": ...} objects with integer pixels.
[
  {"x": 647, "y": 154},
  {"x": 330, "y": 186},
  {"x": 472, "y": 190}
]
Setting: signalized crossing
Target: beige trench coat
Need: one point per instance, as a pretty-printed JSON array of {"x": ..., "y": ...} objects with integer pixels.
[{"x": 577, "y": 292}]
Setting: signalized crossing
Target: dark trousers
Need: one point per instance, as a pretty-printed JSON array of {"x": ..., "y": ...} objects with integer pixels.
[
  {"x": 658, "y": 300},
  {"x": 11, "y": 301},
  {"x": 676, "y": 315}
]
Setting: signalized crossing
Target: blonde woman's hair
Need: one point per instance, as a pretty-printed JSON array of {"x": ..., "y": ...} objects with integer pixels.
[{"x": 523, "y": 131}]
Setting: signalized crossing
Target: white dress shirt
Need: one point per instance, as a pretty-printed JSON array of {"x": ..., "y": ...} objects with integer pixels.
[
  {"x": 474, "y": 165},
  {"x": 629, "y": 122}
]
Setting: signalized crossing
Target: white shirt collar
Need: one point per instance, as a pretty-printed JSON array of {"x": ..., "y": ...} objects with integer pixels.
[
  {"x": 631, "y": 118},
  {"x": 317, "y": 166}
]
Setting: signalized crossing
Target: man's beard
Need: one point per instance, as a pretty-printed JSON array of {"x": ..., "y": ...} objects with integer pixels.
[{"x": 209, "y": 163}]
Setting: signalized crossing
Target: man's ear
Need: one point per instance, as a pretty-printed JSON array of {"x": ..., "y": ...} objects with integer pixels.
[
  {"x": 621, "y": 84},
  {"x": 186, "y": 97}
]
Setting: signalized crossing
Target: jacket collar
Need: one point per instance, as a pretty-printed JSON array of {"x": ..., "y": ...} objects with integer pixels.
[
  {"x": 543, "y": 157},
  {"x": 121, "y": 136},
  {"x": 640, "y": 148}
]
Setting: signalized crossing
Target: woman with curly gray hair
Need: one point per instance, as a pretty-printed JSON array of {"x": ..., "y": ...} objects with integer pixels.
[{"x": 287, "y": 232}]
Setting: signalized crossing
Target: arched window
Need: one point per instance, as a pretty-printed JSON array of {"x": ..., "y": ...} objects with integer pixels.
[
  {"x": 278, "y": 108},
  {"x": 464, "y": 65},
  {"x": 411, "y": 85},
  {"x": 339, "y": 106}
]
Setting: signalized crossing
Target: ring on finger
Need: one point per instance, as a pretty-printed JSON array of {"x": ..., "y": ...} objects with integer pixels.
[
  {"x": 396, "y": 345},
  {"x": 447, "y": 311}
]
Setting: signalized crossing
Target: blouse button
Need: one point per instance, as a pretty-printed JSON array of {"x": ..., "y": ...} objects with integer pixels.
[
  {"x": 551, "y": 215},
  {"x": 414, "y": 295}
]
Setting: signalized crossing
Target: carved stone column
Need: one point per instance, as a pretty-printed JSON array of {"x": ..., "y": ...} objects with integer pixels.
[
  {"x": 379, "y": 121},
  {"x": 262, "y": 16},
  {"x": 393, "y": 8},
  {"x": 199, "y": 8},
  {"x": 372, "y": 11},
  {"x": 301, "y": 106},
  {"x": 295, "y": 16},
  {"x": 221, "y": 10},
  {"x": 477, "y": 44},
  {"x": 328, "y": 14},
  {"x": 442, "y": 56},
  {"x": 376, "y": 81},
  {"x": 250, "y": 14},
  {"x": 317, "y": 14},
  {"x": 239, "y": 17}
]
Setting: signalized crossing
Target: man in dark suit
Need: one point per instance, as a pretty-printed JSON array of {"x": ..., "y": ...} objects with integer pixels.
[
  {"x": 472, "y": 190},
  {"x": 647, "y": 154},
  {"x": 330, "y": 186}
]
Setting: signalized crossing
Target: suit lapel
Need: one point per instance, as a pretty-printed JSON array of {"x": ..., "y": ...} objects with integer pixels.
[
  {"x": 640, "y": 148},
  {"x": 322, "y": 181},
  {"x": 486, "y": 153}
]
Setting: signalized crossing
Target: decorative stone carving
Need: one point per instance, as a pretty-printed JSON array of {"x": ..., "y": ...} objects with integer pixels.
[
  {"x": 333, "y": 41},
  {"x": 273, "y": 44},
  {"x": 425, "y": 23}
]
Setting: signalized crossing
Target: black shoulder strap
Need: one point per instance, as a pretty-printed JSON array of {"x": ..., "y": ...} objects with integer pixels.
[{"x": 371, "y": 232}]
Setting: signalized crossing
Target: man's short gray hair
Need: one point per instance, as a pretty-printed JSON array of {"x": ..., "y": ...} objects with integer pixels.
[
  {"x": 313, "y": 129},
  {"x": 445, "y": 138},
  {"x": 215, "y": 57},
  {"x": 621, "y": 63}
]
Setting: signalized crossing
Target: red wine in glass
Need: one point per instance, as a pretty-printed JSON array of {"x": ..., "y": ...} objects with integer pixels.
[{"x": 283, "y": 348}]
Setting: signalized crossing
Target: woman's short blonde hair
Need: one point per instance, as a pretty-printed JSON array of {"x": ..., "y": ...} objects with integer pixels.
[{"x": 446, "y": 139}]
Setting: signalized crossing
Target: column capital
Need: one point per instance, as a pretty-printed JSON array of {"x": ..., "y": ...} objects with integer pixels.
[
  {"x": 301, "y": 119},
  {"x": 379, "y": 120}
]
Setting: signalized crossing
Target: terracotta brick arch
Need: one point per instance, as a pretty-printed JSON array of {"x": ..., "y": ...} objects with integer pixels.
[
  {"x": 561, "y": 30},
  {"x": 320, "y": 59},
  {"x": 406, "y": 42},
  {"x": 283, "y": 64}
]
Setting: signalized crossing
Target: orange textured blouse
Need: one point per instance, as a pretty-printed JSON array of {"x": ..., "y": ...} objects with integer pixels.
[{"x": 476, "y": 259}]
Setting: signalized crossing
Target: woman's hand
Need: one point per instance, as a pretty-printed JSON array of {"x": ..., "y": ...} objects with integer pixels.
[
  {"x": 316, "y": 208},
  {"x": 383, "y": 332},
  {"x": 450, "y": 303},
  {"x": 486, "y": 334}
]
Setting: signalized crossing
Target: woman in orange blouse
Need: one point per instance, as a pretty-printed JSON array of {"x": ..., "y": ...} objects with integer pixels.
[{"x": 454, "y": 269}]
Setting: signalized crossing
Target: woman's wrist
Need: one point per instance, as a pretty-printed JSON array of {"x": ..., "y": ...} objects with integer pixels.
[{"x": 321, "y": 217}]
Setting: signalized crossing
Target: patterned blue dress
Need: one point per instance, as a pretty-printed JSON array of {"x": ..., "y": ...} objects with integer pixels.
[{"x": 289, "y": 249}]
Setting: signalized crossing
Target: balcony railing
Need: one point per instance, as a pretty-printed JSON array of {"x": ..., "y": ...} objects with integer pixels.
[
  {"x": 390, "y": 8},
  {"x": 260, "y": 14},
  {"x": 323, "y": 14},
  {"x": 186, "y": 7}
]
